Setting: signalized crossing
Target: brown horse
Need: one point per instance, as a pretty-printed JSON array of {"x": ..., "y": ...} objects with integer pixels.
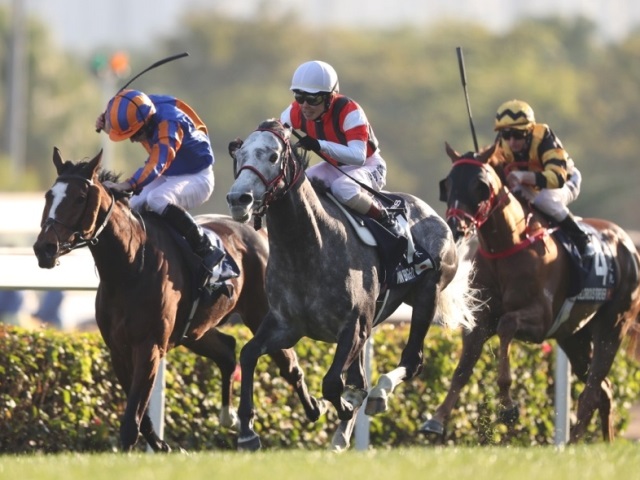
[
  {"x": 147, "y": 302},
  {"x": 532, "y": 293}
]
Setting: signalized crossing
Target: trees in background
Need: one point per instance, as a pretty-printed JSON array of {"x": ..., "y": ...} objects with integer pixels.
[{"x": 407, "y": 80}]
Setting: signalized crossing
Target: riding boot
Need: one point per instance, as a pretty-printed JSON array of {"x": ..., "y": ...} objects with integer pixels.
[
  {"x": 186, "y": 226},
  {"x": 384, "y": 218},
  {"x": 577, "y": 235}
]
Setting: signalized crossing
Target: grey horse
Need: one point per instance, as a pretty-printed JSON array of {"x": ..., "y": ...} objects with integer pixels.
[{"x": 324, "y": 283}]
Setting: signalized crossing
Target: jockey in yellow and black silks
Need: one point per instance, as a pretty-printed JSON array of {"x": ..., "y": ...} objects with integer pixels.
[{"x": 545, "y": 174}]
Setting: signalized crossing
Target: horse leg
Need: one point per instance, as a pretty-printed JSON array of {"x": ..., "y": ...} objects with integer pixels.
[
  {"x": 287, "y": 362},
  {"x": 269, "y": 338},
  {"x": 591, "y": 352},
  {"x": 221, "y": 348},
  {"x": 472, "y": 345},
  {"x": 412, "y": 355},
  {"x": 150, "y": 435},
  {"x": 355, "y": 394},
  {"x": 146, "y": 359},
  {"x": 510, "y": 412},
  {"x": 348, "y": 349}
]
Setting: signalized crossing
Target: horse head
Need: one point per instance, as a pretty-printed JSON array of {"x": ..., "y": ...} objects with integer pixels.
[
  {"x": 471, "y": 190},
  {"x": 266, "y": 168},
  {"x": 72, "y": 204}
]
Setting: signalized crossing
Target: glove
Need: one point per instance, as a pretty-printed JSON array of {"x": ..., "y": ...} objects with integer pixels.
[
  {"x": 233, "y": 146},
  {"x": 521, "y": 178},
  {"x": 309, "y": 143}
]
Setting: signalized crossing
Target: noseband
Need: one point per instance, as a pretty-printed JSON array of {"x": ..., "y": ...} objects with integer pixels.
[{"x": 78, "y": 240}]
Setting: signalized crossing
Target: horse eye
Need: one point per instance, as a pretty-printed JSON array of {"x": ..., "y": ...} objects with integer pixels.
[
  {"x": 273, "y": 158},
  {"x": 81, "y": 199}
]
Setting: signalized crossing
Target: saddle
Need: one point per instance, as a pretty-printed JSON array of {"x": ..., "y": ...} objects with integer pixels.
[
  {"x": 224, "y": 271},
  {"x": 403, "y": 260},
  {"x": 591, "y": 281}
]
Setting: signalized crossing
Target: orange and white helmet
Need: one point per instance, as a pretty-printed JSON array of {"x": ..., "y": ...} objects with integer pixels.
[
  {"x": 314, "y": 77},
  {"x": 127, "y": 113},
  {"x": 514, "y": 114}
]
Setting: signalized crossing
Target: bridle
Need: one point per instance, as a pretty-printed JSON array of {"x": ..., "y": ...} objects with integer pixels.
[
  {"x": 291, "y": 171},
  {"x": 78, "y": 240},
  {"x": 497, "y": 197}
]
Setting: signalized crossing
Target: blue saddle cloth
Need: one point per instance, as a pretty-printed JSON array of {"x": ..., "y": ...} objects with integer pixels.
[
  {"x": 592, "y": 280},
  {"x": 397, "y": 268}
]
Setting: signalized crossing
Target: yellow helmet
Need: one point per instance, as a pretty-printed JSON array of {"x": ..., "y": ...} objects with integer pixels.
[{"x": 514, "y": 114}]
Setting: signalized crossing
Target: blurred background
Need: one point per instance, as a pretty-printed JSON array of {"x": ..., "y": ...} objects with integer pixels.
[{"x": 575, "y": 61}]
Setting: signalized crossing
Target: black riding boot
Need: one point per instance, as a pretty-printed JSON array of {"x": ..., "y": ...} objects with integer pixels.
[
  {"x": 186, "y": 226},
  {"x": 579, "y": 237},
  {"x": 385, "y": 219}
]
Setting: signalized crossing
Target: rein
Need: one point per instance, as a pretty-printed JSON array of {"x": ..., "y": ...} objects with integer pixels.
[
  {"x": 497, "y": 199},
  {"x": 79, "y": 240}
]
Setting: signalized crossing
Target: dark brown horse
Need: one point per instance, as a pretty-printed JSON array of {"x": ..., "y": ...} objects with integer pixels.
[
  {"x": 532, "y": 292},
  {"x": 146, "y": 296}
]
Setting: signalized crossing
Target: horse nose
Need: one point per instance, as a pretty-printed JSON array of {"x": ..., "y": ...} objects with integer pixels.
[{"x": 240, "y": 199}]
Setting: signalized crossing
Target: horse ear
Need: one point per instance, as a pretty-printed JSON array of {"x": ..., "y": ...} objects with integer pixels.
[
  {"x": 453, "y": 155},
  {"x": 92, "y": 209},
  {"x": 486, "y": 154},
  {"x": 57, "y": 160},
  {"x": 95, "y": 163}
]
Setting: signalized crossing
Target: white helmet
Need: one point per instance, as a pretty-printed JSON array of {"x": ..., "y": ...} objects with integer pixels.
[{"x": 314, "y": 77}]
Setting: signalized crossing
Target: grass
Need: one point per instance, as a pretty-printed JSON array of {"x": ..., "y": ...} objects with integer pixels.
[{"x": 586, "y": 462}]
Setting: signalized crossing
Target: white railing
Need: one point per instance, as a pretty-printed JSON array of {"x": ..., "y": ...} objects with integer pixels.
[{"x": 19, "y": 271}]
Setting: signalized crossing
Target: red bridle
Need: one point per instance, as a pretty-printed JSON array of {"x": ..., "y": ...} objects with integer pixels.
[{"x": 498, "y": 196}]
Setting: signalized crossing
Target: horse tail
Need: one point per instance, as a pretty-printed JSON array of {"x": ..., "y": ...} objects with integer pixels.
[
  {"x": 633, "y": 345},
  {"x": 459, "y": 301}
]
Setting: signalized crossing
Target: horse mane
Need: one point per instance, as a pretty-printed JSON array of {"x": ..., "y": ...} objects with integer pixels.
[{"x": 82, "y": 168}]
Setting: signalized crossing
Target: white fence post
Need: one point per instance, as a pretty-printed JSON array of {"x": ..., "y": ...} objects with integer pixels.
[{"x": 562, "y": 397}]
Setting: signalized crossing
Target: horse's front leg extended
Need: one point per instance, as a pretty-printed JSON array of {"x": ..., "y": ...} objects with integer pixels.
[
  {"x": 248, "y": 439},
  {"x": 472, "y": 343},
  {"x": 269, "y": 338},
  {"x": 146, "y": 359},
  {"x": 507, "y": 327}
]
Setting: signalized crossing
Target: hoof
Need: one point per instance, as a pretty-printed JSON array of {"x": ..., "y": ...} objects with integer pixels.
[
  {"x": 249, "y": 444},
  {"x": 509, "y": 416},
  {"x": 376, "y": 405},
  {"x": 432, "y": 427}
]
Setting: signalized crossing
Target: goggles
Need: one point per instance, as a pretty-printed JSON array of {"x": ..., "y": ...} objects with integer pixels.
[
  {"x": 513, "y": 133},
  {"x": 313, "y": 99}
]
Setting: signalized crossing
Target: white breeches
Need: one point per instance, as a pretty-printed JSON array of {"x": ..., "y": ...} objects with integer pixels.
[
  {"x": 187, "y": 191},
  {"x": 554, "y": 201},
  {"x": 373, "y": 174}
]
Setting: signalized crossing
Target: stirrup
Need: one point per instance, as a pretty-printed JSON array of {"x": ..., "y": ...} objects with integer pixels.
[
  {"x": 389, "y": 222},
  {"x": 212, "y": 258}
]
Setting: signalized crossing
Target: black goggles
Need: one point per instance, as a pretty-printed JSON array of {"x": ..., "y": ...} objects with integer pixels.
[
  {"x": 313, "y": 99},
  {"x": 513, "y": 133}
]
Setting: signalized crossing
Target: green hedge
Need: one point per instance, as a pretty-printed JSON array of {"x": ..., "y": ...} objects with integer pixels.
[{"x": 58, "y": 393}]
